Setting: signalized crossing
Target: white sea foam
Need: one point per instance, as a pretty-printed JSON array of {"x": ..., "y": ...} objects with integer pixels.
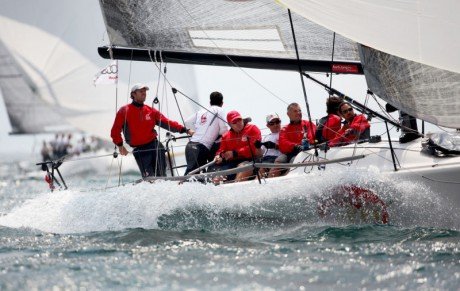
[{"x": 141, "y": 206}]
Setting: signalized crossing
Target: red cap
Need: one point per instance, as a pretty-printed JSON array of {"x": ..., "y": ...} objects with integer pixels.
[{"x": 232, "y": 116}]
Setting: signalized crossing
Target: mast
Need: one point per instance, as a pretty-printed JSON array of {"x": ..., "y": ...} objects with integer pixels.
[{"x": 303, "y": 83}]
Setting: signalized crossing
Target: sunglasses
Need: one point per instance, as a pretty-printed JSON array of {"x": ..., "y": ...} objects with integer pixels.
[
  {"x": 274, "y": 122},
  {"x": 347, "y": 110}
]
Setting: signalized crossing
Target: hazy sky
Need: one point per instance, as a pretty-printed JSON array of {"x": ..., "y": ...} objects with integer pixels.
[{"x": 77, "y": 27}]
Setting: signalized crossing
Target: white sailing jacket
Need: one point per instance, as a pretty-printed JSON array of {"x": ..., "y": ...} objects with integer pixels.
[{"x": 208, "y": 125}]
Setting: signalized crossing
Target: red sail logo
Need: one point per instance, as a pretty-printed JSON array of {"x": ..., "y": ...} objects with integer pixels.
[{"x": 345, "y": 68}]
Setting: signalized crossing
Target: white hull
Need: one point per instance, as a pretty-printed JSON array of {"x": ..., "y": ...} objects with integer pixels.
[
  {"x": 439, "y": 174},
  {"x": 423, "y": 191}
]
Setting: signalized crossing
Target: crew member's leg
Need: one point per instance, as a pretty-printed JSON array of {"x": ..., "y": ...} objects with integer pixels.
[
  {"x": 409, "y": 130},
  {"x": 275, "y": 172},
  {"x": 144, "y": 159},
  {"x": 159, "y": 159},
  {"x": 264, "y": 171},
  {"x": 246, "y": 175},
  {"x": 196, "y": 155}
]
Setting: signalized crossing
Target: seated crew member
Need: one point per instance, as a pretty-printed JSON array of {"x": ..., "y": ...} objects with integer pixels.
[
  {"x": 356, "y": 127},
  {"x": 209, "y": 125},
  {"x": 238, "y": 146},
  {"x": 270, "y": 143},
  {"x": 137, "y": 121},
  {"x": 291, "y": 136},
  {"x": 329, "y": 125}
]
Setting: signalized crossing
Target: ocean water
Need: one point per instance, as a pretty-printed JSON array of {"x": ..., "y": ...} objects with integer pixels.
[{"x": 272, "y": 236}]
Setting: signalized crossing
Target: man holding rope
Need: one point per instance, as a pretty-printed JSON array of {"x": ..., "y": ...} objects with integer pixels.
[
  {"x": 137, "y": 121},
  {"x": 209, "y": 125},
  {"x": 237, "y": 147}
]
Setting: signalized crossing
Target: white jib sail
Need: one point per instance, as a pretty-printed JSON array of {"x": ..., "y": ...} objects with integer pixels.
[{"x": 423, "y": 31}]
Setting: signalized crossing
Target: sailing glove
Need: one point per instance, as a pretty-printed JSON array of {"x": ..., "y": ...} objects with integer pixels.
[
  {"x": 269, "y": 145},
  {"x": 297, "y": 149}
]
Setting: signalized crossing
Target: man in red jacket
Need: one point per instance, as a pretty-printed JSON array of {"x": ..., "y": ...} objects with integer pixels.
[
  {"x": 291, "y": 136},
  {"x": 137, "y": 121},
  {"x": 329, "y": 126},
  {"x": 238, "y": 146},
  {"x": 356, "y": 127}
]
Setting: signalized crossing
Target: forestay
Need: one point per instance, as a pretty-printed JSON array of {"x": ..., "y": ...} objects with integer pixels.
[{"x": 258, "y": 29}]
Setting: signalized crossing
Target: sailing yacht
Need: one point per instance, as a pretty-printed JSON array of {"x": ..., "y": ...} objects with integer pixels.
[{"x": 334, "y": 39}]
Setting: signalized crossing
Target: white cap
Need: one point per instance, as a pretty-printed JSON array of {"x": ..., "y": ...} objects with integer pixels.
[
  {"x": 272, "y": 116},
  {"x": 139, "y": 86}
]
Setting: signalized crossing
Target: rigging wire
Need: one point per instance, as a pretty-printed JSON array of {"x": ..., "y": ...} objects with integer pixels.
[
  {"x": 364, "y": 112},
  {"x": 332, "y": 59},
  {"x": 301, "y": 79}
]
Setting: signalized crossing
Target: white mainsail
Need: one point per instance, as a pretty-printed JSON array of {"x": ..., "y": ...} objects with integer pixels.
[
  {"x": 220, "y": 27},
  {"x": 423, "y": 31}
]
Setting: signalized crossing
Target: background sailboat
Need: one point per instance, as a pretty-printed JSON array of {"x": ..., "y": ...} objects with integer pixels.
[{"x": 46, "y": 73}]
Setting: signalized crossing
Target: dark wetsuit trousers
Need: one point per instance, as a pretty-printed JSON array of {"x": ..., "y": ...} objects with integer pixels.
[
  {"x": 151, "y": 159},
  {"x": 196, "y": 155}
]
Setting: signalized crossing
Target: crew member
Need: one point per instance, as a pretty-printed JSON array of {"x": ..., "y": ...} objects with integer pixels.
[
  {"x": 329, "y": 125},
  {"x": 270, "y": 143},
  {"x": 137, "y": 121},
  {"x": 355, "y": 128},
  {"x": 238, "y": 146},
  {"x": 209, "y": 125},
  {"x": 294, "y": 137}
]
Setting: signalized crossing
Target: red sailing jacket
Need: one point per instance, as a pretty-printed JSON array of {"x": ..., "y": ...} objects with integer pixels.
[
  {"x": 359, "y": 125},
  {"x": 138, "y": 125},
  {"x": 292, "y": 135},
  {"x": 332, "y": 126},
  {"x": 238, "y": 142}
]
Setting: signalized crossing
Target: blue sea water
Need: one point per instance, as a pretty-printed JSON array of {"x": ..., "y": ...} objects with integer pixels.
[{"x": 166, "y": 236}]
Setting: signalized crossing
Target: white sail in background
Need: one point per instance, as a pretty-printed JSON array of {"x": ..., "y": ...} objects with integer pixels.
[
  {"x": 424, "y": 31},
  {"x": 26, "y": 111},
  {"x": 55, "y": 45}
]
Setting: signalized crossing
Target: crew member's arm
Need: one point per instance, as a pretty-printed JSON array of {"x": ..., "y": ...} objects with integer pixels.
[
  {"x": 340, "y": 139},
  {"x": 311, "y": 131},
  {"x": 190, "y": 121},
  {"x": 247, "y": 151},
  {"x": 170, "y": 125},
  {"x": 285, "y": 145},
  {"x": 116, "y": 130},
  {"x": 359, "y": 124},
  {"x": 223, "y": 148}
]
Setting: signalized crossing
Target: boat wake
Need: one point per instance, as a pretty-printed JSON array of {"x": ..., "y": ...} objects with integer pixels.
[{"x": 276, "y": 204}]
